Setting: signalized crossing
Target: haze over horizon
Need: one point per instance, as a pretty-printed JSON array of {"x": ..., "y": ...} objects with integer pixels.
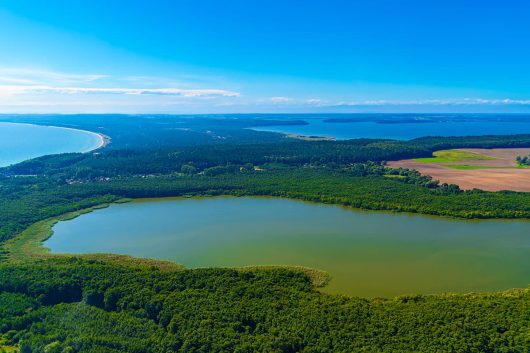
[{"x": 264, "y": 56}]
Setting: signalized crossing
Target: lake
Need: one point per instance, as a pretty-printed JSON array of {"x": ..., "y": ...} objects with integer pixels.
[
  {"x": 19, "y": 142},
  {"x": 367, "y": 253},
  {"x": 404, "y": 127}
]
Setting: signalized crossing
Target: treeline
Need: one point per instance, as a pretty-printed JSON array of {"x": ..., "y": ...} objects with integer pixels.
[
  {"x": 197, "y": 159},
  {"x": 74, "y": 305}
]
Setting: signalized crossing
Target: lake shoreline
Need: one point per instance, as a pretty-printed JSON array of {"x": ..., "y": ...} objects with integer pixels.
[
  {"x": 37, "y": 247},
  {"x": 29, "y": 245},
  {"x": 339, "y": 279}
]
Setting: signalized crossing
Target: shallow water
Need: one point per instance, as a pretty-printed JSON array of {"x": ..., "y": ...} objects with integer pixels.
[
  {"x": 19, "y": 142},
  {"x": 367, "y": 253}
]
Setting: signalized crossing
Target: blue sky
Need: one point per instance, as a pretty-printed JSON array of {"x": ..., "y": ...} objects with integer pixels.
[{"x": 187, "y": 56}]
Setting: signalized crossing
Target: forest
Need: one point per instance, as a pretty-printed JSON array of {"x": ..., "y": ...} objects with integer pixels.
[
  {"x": 76, "y": 305},
  {"x": 80, "y": 304}
]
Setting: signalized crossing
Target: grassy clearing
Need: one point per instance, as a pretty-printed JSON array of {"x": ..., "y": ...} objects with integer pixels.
[
  {"x": 392, "y": 176},
  {"x": 7, "y": 349},
  {"x": 451, "y": 156}
]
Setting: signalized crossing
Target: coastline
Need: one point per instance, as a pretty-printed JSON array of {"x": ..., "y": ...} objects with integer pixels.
[
  {"x": 310, "y": 137},
  {"x": 103, "y": 140}
]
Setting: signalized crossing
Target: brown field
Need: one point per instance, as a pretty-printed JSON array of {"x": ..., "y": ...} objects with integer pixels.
[{"x": 504, "y": 174}]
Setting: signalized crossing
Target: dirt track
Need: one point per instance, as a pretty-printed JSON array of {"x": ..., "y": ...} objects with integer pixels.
[{"x": 505, "y": 175}]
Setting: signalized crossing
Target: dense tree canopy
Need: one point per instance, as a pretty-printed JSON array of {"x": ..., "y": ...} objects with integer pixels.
[
  {"x": 523, "y": 160},
  {"x": 74, "y": 305}
]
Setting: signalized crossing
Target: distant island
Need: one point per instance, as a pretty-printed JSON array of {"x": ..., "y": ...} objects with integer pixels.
[{"x": 397, "y": 120}]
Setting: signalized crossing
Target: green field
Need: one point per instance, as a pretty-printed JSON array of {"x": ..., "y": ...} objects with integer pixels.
[
  {"x": 451, "y": 156},
  {"x": 468, "y": 167}
]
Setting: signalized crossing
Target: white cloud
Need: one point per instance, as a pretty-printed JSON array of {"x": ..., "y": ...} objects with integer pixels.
[
  {"x": 22, "y": 81},
  {"x": 315, "y": 101},
  {"x": 435, "y": 102},
  {"x": 40, "y": 91},
  {"x": 21, "y": 88},
  {"x": 27, "y": 89},
  {"x": 24, "y": 75},
  {"x": 280, "y": 100}
]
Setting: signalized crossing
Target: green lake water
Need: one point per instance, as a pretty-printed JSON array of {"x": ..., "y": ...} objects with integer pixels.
[
  {"x": 19, "y": 142},
  {"x": 367, "y": 253}
]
